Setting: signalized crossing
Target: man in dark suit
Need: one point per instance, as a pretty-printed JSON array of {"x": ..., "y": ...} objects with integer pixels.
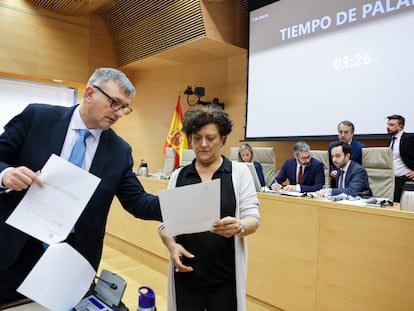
[
  {"x": 346, "y": 130},
  {"x": 352, "y": 178},
  {"x": 305, "y": 174},
  {"x": 402, "y": 145},
  {"x": 40, "y": 130}
]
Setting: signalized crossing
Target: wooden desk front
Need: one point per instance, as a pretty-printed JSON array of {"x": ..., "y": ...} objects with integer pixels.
[{"x": 311, "y": 254}]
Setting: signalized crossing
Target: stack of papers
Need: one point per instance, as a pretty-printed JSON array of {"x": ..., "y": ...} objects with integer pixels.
[{"x": 378, "y": 202}]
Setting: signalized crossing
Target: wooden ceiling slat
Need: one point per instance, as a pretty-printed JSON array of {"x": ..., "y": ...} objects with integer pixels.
[
  {"x": 141, "y": 29},
  {"x": 152, "y": 27}
]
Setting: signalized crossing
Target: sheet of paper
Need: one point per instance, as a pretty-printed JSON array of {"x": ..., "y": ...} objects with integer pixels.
[
  {"x": 292, "y": 193},
  {"x": 49, "y": 213},
  {"x": 60, "y": 278},
  {"x": 192, "y": 208},
  {"x": 284, "y": 192}
]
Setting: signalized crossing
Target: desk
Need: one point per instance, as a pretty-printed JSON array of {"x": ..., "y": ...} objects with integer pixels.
[{"x": 311, "y": 254}]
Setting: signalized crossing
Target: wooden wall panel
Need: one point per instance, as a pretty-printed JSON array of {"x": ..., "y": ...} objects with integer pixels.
[
  {"x": 39, "y": 44},
  {"x": 224, "y": 20},
  {"x": 371, "y": 258},
  {"x": 283, "y": 255},
  {"x": 157, "y": 92},
  {"x": 59, "y": 53}
]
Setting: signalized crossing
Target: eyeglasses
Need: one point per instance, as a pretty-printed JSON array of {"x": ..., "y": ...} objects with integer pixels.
[{"x": 115, "y": 105}]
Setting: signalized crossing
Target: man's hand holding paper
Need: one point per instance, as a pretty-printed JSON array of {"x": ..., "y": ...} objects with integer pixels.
[{"x": 49, "y": 213}]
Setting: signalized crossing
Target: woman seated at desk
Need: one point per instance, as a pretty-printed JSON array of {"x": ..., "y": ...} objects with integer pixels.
[{"x": 246, "y": 155}]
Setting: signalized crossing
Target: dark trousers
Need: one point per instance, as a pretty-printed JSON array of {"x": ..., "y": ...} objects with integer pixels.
[
  {"x": 399, "y": 184},
  {"x": 218, "y": 298},
  {"x": 13, "y": 276}
]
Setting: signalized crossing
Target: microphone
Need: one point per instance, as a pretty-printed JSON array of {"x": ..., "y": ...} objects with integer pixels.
[{"x": 110, "y": 284}]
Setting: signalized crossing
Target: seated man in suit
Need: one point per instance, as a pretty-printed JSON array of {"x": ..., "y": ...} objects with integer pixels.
[
  {"x": 352, "y": 178},
  {"x": 346, "y": 131},
  {"x": 305, "y": 173}
]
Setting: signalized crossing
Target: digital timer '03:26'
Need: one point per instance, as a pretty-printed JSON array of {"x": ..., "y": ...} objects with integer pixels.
[{"x": 354, "y": 61}]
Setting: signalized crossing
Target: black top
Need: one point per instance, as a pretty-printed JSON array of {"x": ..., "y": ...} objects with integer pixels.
[{"x": 214, "y": 254}]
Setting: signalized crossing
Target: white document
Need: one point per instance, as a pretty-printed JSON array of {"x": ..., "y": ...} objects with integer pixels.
[
  {"x": 49, "y": 213},
  {"x": 284, "y": 192},
  {"x": 60, "y": 278},
  {"x": 192, "y": 208}
]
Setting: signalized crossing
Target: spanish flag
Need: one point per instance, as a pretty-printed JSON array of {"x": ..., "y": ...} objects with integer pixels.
[{"x": 176, "y": 138}]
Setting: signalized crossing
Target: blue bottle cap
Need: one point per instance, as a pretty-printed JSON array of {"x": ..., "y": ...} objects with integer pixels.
[{"x": 146, "y": 297}]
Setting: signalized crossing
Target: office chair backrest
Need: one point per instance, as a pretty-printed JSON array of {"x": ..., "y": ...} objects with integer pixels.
[
  {"x": 323, "y": 156},
  {"x": 264, "y": 155},
  {"x": 188, "y": 156},
  {"x": 380, "y": 168},
  {"x": 169, "y": 161}
]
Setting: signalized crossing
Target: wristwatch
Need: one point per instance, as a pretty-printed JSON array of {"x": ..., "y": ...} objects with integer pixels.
[{"x": 241, "y": 228}]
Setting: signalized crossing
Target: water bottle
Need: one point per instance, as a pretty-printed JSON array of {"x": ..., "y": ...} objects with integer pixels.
[
  {"x": 146, "y": 299},
  {"x": 143, "y": 169},
  {"x": 407, "y": 197}
]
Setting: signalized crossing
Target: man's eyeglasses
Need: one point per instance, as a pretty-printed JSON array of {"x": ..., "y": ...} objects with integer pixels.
[{"x": 115, "y": 105}]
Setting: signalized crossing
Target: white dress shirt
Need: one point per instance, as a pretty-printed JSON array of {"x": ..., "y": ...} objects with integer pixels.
[{"x": 400, "y": 169}]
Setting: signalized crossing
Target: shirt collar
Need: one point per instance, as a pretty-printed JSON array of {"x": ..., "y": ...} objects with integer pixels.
[
  {"x": 76, "y": 123},
  {"x": 398, "y": 135},
  {"x": 345, "y": 168},
  {"x": 225, "y": 166}
]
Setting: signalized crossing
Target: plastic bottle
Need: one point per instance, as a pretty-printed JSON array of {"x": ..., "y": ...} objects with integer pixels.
[{"x": 146, "y": 299}]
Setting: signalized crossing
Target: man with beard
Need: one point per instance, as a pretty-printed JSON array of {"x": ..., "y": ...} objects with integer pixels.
[
  {"x": 402, "y": 145},
  {"x": 305, "y": 174},
  {"x": 352, "y": 178}
]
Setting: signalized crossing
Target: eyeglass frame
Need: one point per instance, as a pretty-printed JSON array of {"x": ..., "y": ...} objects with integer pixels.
[{"x": 126, "y": 110}]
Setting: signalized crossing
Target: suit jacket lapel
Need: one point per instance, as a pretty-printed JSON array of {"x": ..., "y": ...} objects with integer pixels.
[
  {"x": 58, "y": 131},
  {"x": 348, "y": 173},
  {"x": 101, "y": 158}
]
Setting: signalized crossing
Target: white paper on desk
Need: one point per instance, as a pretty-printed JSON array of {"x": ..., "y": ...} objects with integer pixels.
[
  {"x": 60, "y": 278},
  {"x": 190, "y": 209},
  {"x": 285, "y": 192},
  {"x": 49, "y": 213}
]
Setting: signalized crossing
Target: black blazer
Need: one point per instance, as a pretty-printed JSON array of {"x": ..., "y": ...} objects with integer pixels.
[
  {"x": 30, "y": 138},
  {"x": 407, "y": 149}
]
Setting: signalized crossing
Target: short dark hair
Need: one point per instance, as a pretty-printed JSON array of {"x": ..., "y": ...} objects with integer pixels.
[
  {"x": 399, "y": 118},
  {"x": 346, "y": 148},
  {"x": 195, "y": 119},
  {"x": 347, "y": 123}
]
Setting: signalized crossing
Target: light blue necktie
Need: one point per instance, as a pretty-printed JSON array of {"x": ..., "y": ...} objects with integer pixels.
[{"x": 79, "y": 149}]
